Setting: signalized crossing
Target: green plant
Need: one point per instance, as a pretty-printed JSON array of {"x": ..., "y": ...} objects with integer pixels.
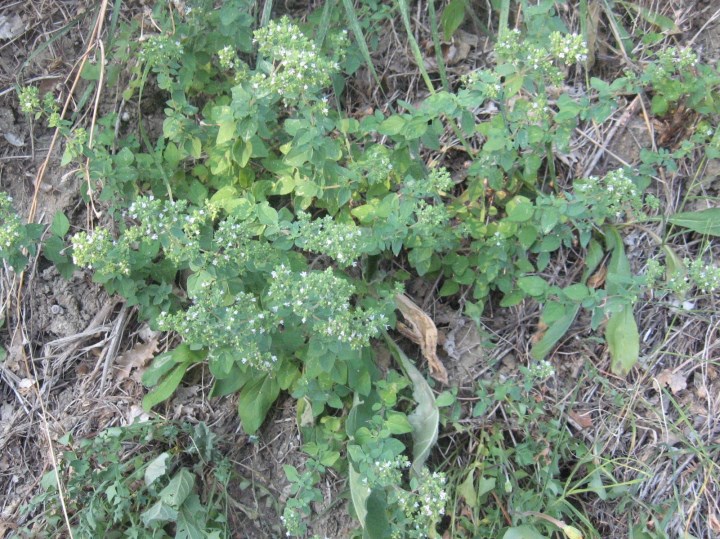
[
  {"x": 143, "y": 480},
  {"x": 17, "y": 240},
  {"x": 272, "y": 232}
]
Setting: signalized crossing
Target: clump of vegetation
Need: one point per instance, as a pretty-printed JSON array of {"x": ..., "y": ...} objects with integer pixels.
[{"x": 273, "y": 233}]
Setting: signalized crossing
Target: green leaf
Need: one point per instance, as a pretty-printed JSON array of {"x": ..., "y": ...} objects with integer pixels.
[
  {"x": 159, "y": 512},
  {"x": 519, "y": 209},
  {"x": 452, "y": 17},
  {"x": 466, "y": 489},
  {"x": 554, "y": 333},
  {"x": 425, "y": 419},
  {"x": 523, "y": 532},
  {"x": 179, "y": 488},
  {"x": 166, "y": 388},
  {"x": 376, "y": 522},
  {"x": 397, "y": 423},
  {"x": 60, "y": 225},
  {"x": 392, "y": 126},
  {"x": 266, "y": 214},
  {"x": 157, "y": 468},
  {"x": 242, "y": 151},
  {"x": 255, "y": 401},
  {"x": 576, "y": 292},
  {"x": 703, "y": 222},
  {"x": 359, "y": 492},
  {"x": 623, "y": 341},
  {"x": 227, "y": 131},
  {"x": 533, "y": 285}
]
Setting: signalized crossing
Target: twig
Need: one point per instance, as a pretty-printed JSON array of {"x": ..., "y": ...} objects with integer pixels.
[{"x": 624, "y": 119}]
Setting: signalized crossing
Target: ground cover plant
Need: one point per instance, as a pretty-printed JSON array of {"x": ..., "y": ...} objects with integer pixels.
[{"x": 290, "y": 244}]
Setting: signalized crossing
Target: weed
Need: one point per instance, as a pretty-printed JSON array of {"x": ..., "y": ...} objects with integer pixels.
[{"x": 266, "y": 228}]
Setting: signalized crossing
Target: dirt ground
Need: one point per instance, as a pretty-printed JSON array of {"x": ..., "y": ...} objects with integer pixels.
[{"x": 62, "y": 337}]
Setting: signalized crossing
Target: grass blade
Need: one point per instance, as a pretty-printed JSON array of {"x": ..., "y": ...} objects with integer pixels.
[
  {"x": 359, "y": 37},
  {"x": 414, "y": 45}
]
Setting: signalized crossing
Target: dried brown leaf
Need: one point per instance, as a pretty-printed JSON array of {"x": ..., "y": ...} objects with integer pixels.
[
  {"x": 598, "y": 278},
  {"x": 584, "y": 420},
  {"x": 422, "y": 331},
  {"x": 135, "y": 358},
  {"x": 675, "y": 381}
]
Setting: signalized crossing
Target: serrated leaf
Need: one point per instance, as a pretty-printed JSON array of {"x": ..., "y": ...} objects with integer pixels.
[
  {"x": 157, "y": 468},
  {"x": 703, "y": 222},
  {"x": 60, "y": 225},
  {"x": 392, "y": 126},
  {"x": 519, "y": 209},
  {"x": 425, "y": 419},
  {"x": 623, "y": 341},
  {"x": 179, "y": 488}
]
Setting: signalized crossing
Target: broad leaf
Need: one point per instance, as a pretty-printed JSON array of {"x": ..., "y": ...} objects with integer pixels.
[
  {"x": 554, "y": 333},
  {"x": 159, "y": 512},
  {"x": 156, "y": 468},
  {"x": 166, "y": 388},
  {"x": 255, "y": 401},
  {"x": 178, "y": 489},
  {"x": 425, "y": 418},
  {"x": 523, "y": 532},
  {"x": 452, "y": 17},
  {"x": 60, "y": 225},
  {"x": 623, "y": 341},
  {"x": 359, "y": 492},
  {"x": 704, "y": 222},
  {"x": 377, "y": 525}
]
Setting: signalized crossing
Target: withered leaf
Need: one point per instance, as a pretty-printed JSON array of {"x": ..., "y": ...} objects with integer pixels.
[
  {"x": 135, "y": 358},
  {"x": 422, "y": 331}
]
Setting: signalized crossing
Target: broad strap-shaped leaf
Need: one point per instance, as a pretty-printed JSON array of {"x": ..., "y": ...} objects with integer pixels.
[
  {"x": 255, "y": 401},
  {"x": 377, "y": 525},
  {"x": 704, "y": 221},
  {"x": 554, "y": 333},
  {"x": 425, "y": 419},
  {"x": 623, "y": 341}
]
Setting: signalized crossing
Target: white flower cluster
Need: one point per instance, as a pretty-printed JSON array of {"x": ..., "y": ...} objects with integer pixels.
[
  {"x": 29, "y": 98},
  {"x": 568, "y": 48},
  {"x": 10, "y": 227},
  {"x": 97, "y": 250},
  {"x": 485, "y": 81},
  {"x": 296, "y": 65},
  {"x": 541, "y": 370},
  {"x": 613, "y": 195},
  {"x": 425, "y": 505},
  {"x": 343, "y": 242},
  {"x": 225, "y": 323},
  {"x": 321, "y": 302},
  {"x": 565, "y": 49},
  {"x": 160, "y": 50}
]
